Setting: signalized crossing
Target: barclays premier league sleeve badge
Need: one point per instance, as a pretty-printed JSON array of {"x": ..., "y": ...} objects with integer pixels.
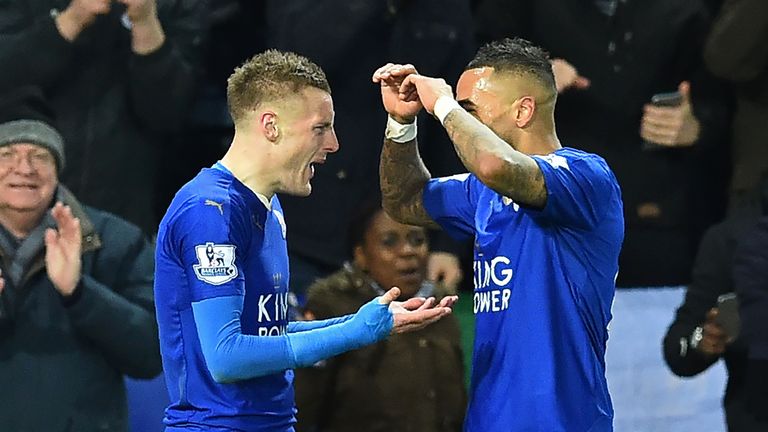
[{"x": 216, "y": 263}]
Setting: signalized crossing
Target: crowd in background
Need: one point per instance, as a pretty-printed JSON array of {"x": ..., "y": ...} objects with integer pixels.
[{"x": 672, "y": 93}]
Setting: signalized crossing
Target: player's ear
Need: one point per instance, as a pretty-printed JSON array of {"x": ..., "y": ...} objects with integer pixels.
[
  {"x": 524, "y": 109},
  {"x": 268, "y": 124}
]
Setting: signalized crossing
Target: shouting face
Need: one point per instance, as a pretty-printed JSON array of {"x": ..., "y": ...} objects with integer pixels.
[{"x": 307, "y": 136}]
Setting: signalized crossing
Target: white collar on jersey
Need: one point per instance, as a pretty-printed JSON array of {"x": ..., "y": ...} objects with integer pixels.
[{"x": 264, "y": 200}]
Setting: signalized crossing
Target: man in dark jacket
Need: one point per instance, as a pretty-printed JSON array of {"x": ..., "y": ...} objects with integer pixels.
[
  {"x": 696, "y": 339},
  {"x": 76, "y": 306},
  {"x": 118, "y": 75}
]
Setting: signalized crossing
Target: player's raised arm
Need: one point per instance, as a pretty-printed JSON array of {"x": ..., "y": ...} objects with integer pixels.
[
  {"x": 495, "y": 161},
  {"x": 402, "y": 172}
]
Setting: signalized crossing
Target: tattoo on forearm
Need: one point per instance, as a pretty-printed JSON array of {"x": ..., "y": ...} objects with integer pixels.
[
  {"x": 403, "y": 176},
  {"x": 517, "y": 176}
]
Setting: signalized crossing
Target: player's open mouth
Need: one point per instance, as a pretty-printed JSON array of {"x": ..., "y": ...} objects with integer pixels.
[{"x": 312, "y": 166}]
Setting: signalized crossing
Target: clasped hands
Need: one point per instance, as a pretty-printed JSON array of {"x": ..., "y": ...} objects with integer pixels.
[{"x": 404, "y": 92}]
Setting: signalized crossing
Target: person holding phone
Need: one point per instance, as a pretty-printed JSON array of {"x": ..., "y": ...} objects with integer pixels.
[
  {"x": 705, "y": 328},
  {"x": 669, "y": 121},
  {"x": 671, "y": 99}
]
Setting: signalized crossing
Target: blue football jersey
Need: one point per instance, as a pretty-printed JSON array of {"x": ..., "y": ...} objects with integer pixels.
[
  {"x": 544, "y": 282},
  {"x": 218, "y": 239}
]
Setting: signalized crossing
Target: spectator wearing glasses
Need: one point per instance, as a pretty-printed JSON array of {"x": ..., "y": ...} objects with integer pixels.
[{"x": 76, "y": 306}]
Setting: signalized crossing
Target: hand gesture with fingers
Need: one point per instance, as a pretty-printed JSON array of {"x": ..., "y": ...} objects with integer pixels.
[
  {"x": 403, "y": 108},
  {"x": 671, "y": 126},
  {"x": 427, "y": 89},
  {"x": 63, "y": 247},
  {"x": 415, "y": 313}
]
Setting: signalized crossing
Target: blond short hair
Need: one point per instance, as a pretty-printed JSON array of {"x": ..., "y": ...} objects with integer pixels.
[{"x": 269, "y": 76}]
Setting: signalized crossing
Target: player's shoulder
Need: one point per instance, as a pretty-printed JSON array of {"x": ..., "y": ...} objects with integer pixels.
[
  {"x": 210, "y": 194},
  {"x": 565, "y": 156},
  {"x": 578, "y": 160},
  {"x": 463, "y": 177},
  {"x": 468, "y": 180},
  {"x": 209, "y": 182}
]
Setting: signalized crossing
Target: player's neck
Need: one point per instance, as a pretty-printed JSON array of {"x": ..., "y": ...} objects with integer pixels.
[
  {"x": 539, "y": 143},
  {"x": 247, "y": 167}
]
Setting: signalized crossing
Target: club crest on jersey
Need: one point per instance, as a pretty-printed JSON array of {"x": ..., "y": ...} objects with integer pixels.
[{"x": 216, "y": 263}]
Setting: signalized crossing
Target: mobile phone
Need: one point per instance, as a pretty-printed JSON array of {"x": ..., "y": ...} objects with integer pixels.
[
  {"x": 728, "y": 314},
  {"x": 667, "y": 99},
  {"x": 670, "y": 99}
]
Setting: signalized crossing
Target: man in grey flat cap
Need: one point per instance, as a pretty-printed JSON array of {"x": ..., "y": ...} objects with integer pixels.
[{"x": 76, "y": 305}]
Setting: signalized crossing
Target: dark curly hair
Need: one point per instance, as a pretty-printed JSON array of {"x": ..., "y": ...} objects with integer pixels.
[
  {"x": 268, "y": 76},
  {"x": 517, "y": 56},
  {"x": 361, "y": 221}
]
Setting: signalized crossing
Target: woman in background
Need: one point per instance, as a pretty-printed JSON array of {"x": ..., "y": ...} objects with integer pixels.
[{"x": 410, "y": 382}]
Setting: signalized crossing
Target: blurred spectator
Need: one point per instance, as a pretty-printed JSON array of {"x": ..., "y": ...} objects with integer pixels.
[
  {"x": 737, "y": 50},
  {"x": 751, "y": 279},
  {"x": 410, "y": 382},
  {"x": 696, "y": 340},
  {"x": 119, "y": 75},
  {"x": 350, "y": 40},
  {"x": 612, "y": 57},
  {"x": 76, "y": 309}
]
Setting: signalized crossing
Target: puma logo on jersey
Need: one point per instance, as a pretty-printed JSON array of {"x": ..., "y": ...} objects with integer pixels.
[{"x": 213, "y": 203}]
